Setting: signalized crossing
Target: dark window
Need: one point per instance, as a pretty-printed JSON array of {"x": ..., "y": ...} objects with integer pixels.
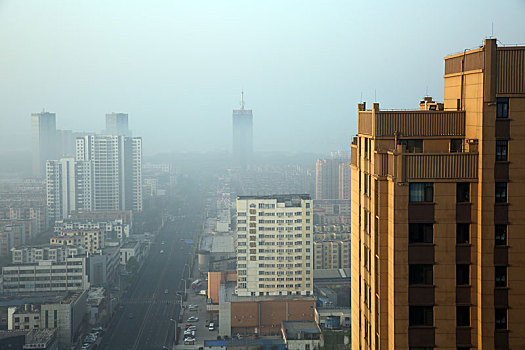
[
  {"x": 412, "y": 146},
  {"x": 500, "y": 276},
  {"x": 463, "y": 316},
  {"x": 458, "y": 104},
  {"x": 366, "y": 147},
  {"x": 421, "y": 274},
  {"x": 26, "y": 319},
  {"x": 421, "y": 233},
  {"x": 55, "y": 318},
  {"x": 456, "y": 145},
  {"x": 502, "y": 107},
  {"x": 462, "y": 233},
  {"x": 462, "y": 274},
  {"x": 421, "y": 192},
  {"x": 47, "y": 318},
  {"x": 501, "y": 150},
  {"x": 501, "y": 192},
  {"x": 501, "y": 318},
  {"x": 421, "y": 348},
  {"x": 501, "y": 234},
  {"x": 463, "y": 192},
  {"x": 420, "y": 316}
]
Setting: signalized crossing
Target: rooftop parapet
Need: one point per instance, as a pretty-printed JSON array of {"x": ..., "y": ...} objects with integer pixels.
[{"x": 417, "y": 123}]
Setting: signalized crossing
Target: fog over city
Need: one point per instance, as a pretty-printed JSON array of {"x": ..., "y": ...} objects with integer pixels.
[{"x": 177, "y": 68}]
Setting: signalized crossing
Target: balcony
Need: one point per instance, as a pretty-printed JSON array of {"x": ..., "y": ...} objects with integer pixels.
[{"x": 418, "y": 123}]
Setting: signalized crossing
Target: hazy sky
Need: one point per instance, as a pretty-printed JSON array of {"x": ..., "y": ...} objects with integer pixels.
[{"x": 177, "y": 67}]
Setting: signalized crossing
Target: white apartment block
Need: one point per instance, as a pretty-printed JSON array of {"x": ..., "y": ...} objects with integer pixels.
[
  {"x": 46, "y": 276},
  {"x": 274, "y": 245},
  {"x": 68, "y": 187},
  {"x": 116, "y": 169},
  {"x": 56, "y": 254},
  {"x": 117, "y": 226}
]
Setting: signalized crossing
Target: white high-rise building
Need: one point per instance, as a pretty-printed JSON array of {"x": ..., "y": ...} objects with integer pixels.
[
  {"x": 117, "y": 124},
  {"x": 68, "y": 187},
  {"x": 116, "y": 163},
  {"x": 274, "y": 245}
]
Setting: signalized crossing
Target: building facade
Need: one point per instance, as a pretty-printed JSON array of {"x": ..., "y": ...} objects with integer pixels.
[
  {"x": 438, "y": 258},
  {"x": 274, "y": 245},
  {"x": 116, "y": 163},
  {"x": 242, "y": 134},
  {"x": 331, "y": 254},
  {"x": 117, "y": 124},
  {"x": 332, "y": 179}
]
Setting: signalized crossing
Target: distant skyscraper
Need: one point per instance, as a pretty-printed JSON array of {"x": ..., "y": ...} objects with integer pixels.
[
  {"x": 117, "y": 124},
  {"x": 274, "y": 245},
  {"x": 242, "y": 134},
  {"x": 332, "y": 179},
  {"x": 117, "y": 170},
  {"x": 43, "y": 128}
]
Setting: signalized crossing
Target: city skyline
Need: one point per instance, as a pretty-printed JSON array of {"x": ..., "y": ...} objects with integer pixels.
[{"x": 305, "y": 71}]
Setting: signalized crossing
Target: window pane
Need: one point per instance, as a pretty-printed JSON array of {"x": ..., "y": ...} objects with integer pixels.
[
  {"x": 502, "y": 107},
  {"x": 420, "y": 316},
  {"x": 417, "y": 192},
  {"x": 463, "y": 192},
  {"x": 462, "y": 274},
  {"x": 462, "y": 233},
  {"x": 421, "y": 233},
  {"x": 463, "y": 316},
  {"x": 501, "y": 150},
  {"x": 501, "y": 192},
  {"x": 501, "y": 234},
  {"x": 501, "y": 318},
  {"x": 500, "y": 276},
  {"x": 420, "y": 274}
]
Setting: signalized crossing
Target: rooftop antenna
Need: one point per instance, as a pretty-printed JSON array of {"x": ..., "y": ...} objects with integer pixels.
[
  {"x": 427, "y": 92},
  {"x": 375, "y": 95},
  {"x": 361, "y": 97},
  {"x": 492, "y": 31},
  {"x": 242, "y": 99}
]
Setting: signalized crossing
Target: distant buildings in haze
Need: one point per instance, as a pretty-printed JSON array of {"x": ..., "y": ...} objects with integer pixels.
[{"x": 242, "y": 134}]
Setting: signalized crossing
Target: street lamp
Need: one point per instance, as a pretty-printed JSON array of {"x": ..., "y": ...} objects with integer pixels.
[{"x": 174, "y": 329}]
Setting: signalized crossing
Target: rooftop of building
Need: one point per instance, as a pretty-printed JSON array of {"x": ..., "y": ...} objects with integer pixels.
[
  {"x": 87, "y": 220},
  {"x": 217, "y": 243},
  {"x": 27, "y": 309},
  {"x": 41, "y": 336},
  {"x": 38, "y": 299},
  {"x": 129, "y": 244},
  {"x": 332, "y": 274},
  {"x": 295, "y": 330},
  {"x": 9, "y": 334},
  {"x": 279, "y": 197},
  {"x": 227, "y": 294},
  {"x": 273, "y": 342}
]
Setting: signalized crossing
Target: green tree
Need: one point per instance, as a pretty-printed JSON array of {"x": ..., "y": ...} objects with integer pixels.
[{"x": 132, "y": 265}]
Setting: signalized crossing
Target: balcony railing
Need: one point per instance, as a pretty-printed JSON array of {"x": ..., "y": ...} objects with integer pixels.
[{"x": 411, "y": 123}]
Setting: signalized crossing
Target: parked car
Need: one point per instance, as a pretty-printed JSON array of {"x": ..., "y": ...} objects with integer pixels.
[
  {"x": 165, "y": 291},
  {"x": 189, "y": 341},
  {"x": 192, "y": 328},
  {"x": 193, "y": 319},
  {"x": 211, "y": 327}
]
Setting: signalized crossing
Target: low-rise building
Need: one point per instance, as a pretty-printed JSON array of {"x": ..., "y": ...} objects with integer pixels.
[
  {"x": 301, "y": 335},
  {"x": 42, "y": 339},
  {"x": 34, "y": 254},
  {"x": 116, "y": 228},
  {"x": 24, "y": 317},
  {"x": 46, "y": 276},
  {"x": 92, "y": 239},
  {"x": 331, "y": 254}
]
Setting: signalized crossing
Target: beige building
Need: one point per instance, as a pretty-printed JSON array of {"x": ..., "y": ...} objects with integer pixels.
[
  {"x": 92, "y": 240},
  {"x": 25, "y": 317},
  {"x": 331, "y": 254},
  {"x": 438, "y": 254},
  {"x": 274, "y": 245},
  {"x": 332, "y": 179}
]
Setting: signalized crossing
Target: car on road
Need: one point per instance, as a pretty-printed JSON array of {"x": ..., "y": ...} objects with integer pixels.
[
  {"x": 162, "y": 251},
  {"x": 193, "y": 307},
  {"x": 192, "y": 328},
  {"x": 189, "y": 341},
  {"x": 193, "y": 319},
  {"x": 165, "y": 291},
  {"x": 85, "y": 346},
  {"x": 163, "y": 243},
  {"x": 188, "y": 333},
  {"x": 130, "y": 315},
  {"x": 211, "y": 327}
]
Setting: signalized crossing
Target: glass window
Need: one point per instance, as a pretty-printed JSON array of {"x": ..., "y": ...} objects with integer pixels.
[
  {"x": 463, "y": 316},
  {"x": 412, "y": 146},
  {"x": 501, "y": 192},
  {"x": 462, "y": 233},
  {"x": 463, "y": 192},
  {"x": 462, "y": 274},
  {"x": 420, "y": 316},
  {"x": 421, "y": 192},
  {"x": 456, "y": 145},
  {"x": 501, "y": 318},
  {"x": 500, "y": 234},
  {"x": 420, "y": 274},
  {"x": 500, "y": 276},
  {"x": 421, "y": 233},
  {"x": 502, "y": 107},
  {"x": 501, "y": 150}
]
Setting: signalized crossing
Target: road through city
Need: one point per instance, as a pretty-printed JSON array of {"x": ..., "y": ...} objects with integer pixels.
[{"x": 145, "y": 318}]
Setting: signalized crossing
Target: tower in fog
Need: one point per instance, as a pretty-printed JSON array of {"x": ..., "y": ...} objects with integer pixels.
[
  {"x": 117, "y": 124},
  {"x": 44, "y": 130},
  {"x": 242, "y": 134}
]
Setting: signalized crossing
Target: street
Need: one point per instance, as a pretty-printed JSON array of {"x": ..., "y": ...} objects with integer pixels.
[{"x": 144, "y": 320}]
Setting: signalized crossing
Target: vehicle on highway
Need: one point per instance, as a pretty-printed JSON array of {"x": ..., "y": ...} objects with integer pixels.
[
  {"x": 130, "y": 315},
  {"x": 192, "y": 328},
  {"x": 165, "y": 291},
  {"x": 188, "y": 333},
  {"x": 189, "y": 341},
  {"x": 97, "y": 329},
  {"x": 193, "y": 307},
  {"x": 85, "y": 346},
  {"x": 211, "y": 327},
  {"x": 163, "y": 243},
  {"x": 162, "y": 251},
  {"x": 193, "y": 319}
]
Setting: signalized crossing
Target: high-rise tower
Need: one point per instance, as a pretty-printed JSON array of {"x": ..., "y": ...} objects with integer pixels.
[
  {"x": 117, "y": 124},
  {"x": 438, "y": 253},
  {"x": 43, "y": 128},
  {"x": 242, "y": 134}
]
